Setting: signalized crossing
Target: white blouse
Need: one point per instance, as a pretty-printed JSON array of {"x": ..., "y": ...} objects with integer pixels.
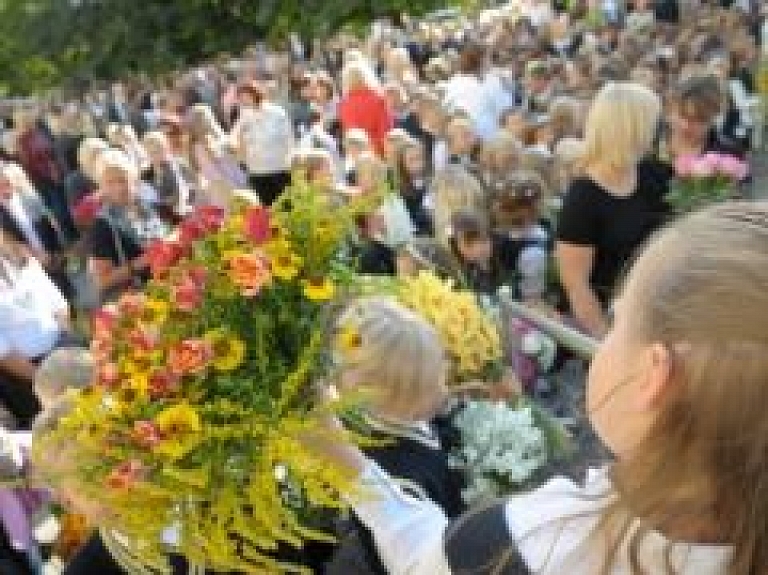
[
  {"x": 549, "y": 526},
  {"x": 267, "y": 137},
  {"x": 29, "y": 303}
]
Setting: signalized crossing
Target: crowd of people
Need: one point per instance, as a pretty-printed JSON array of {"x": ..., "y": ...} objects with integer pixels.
[{"x": 531, "y": 147}]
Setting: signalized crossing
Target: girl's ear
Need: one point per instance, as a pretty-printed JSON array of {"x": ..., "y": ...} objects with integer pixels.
[{"x": 658, "y": 368}]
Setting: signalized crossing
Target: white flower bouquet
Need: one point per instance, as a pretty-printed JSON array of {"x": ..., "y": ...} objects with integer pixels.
[{"x": 503, "y": 446}]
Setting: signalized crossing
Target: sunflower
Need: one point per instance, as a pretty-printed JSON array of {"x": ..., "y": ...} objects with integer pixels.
[
  {"x": 286, "y": 266},
  {"x": 321, "y": 289},
  {"x": 348, "y": 340},
  {"x": 229, "y": 351}
]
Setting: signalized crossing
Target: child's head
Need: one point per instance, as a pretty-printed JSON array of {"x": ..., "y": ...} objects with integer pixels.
[
  {"x": 63, "y": 370},
  {"x": 500, "y": 153},
  {"x": 371, "y": 172},
  {"x": 317, "y": 166},
  {"x": 515, "y": 122},
  {"x": 515, "y": 200},
  {"x": 393, "y": 143},
  {"x": 460, "y": 136},
  {"x": 394, "y": 355},
  {"x": 678, "y": 388},
  {"x": 471, "y": 237},
  {"x": 356, "y": 142},
  {"x": 413, "y": 158},
  {"x": 454, "y": 189}
]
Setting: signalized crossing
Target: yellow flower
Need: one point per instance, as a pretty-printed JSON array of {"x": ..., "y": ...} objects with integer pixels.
[
  {"x": 348, "y": 340},
  {"x": 155, "y": 312},
  {"x": 286, "y": 266},
  {"x": 319, "y": 289},
  {"x": 229, "y": 351},
  {"x": 181, "y": 429}
]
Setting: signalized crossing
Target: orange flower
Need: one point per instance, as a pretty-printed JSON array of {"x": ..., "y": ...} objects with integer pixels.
[
  {"x": 249, "y": 272},
  {"x": 125, "y": 475},
  {"x": 190, "y": 356},
  {"x": 108, "y": 375}
]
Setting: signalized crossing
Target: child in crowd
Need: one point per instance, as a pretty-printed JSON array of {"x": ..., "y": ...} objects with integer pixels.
[
  {"x": 414, "y": 185},
  {"x": 461, "y": 141},
  {"x": 480, "y": 253},
  {"x": 356, "y": 143},
  {"x": 396, "y": 359},
  {"x": 525, "y": 243}
]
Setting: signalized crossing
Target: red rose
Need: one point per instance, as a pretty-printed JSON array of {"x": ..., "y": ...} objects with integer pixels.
[
  {"x": 146, "y": 434},
  {"x": 162, "y": 383},
  {"x": 188, "y": 295},
  {"x": 162, "y": 256},
  {"x": 256, "y": 224},
  {"x": 190, "y": 230}
]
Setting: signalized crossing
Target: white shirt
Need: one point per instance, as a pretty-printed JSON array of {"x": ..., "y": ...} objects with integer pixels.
[
  {"x": 266, "y": 136},
  {"x": 28, "y": 304},
  {"x": 18, "y": 211},
  {"x": 550, "y": 527},
  {"x": 483, "y": 99}
]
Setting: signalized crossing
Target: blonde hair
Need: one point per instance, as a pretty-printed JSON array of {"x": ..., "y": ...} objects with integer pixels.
[
  {"x": 621, "y": 125},
  {"x": 397, "y": 355},
  {"x": 87, "y": 155},
  {"x": 699, "y": 290},
  {"x": 455, "y": 188},
  {"x": 114, "y": 159},
  {"x": 203, "y": 123},
  {"x": 357, "y": 74}
]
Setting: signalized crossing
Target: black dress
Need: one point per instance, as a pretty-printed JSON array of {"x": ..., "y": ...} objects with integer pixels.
[{"x": 616, "y": 227}]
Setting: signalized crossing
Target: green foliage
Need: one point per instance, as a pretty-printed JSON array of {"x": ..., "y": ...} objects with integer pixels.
[{"x": 47, "y": 43}]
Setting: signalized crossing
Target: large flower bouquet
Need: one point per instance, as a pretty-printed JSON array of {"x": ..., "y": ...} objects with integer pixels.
[
  {"x": 702, "y": 180},
  {"x": 192, "y": 430}
]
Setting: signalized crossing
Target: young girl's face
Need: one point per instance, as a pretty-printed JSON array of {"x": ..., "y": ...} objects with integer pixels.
[
  {"x": 516, "y": 125},
  {"x": 414, "y": 161},
  {"x": 116, "y": 186},
  {"x": 626, "y": 374},
  {"x": 476, "y": 251}
]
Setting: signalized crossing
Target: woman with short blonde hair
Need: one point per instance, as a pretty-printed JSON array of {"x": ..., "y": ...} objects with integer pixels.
[
  {"x": 621, "y": 125},
  {"x": 612, "y": 209}
]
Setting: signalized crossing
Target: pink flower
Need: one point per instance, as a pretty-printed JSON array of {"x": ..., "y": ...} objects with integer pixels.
[
  {"x": 143, "y": 339},
  {"x": 198, "y": 274},
  {"x": 162, "y": 256},
  {"x": 257, "y": 225},
  {"x": 684, "y": 165},
  {"x": 211, "y": 218},
  {"x": 190, "y": 230},
  {"x": 108, "y": 375},
  {"x": 703, "y": 168},
  {"x": 146, "y": 434},
  {"x": 191, "y": 356},
  {"x": 103, "y": 323},
  {"x": 126, "y": 474},
  {"x": 733, "y": 168},
  {"x": 188, "y": 295}
]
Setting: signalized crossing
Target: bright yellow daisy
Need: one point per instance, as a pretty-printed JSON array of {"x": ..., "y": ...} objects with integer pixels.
[
  {"x": 321, "y": 289},
  {"x": 286, "y": 266},
  {"x": 229, "y": 351},
  {"x": 181, "y": 428}
]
